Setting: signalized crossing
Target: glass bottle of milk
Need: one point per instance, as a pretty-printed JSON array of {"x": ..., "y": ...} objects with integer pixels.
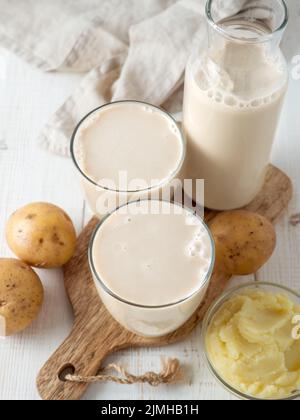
[{"x": 234, "y": 91}]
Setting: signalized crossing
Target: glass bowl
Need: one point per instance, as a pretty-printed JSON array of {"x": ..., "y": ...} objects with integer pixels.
[{"x": 268, "y": 287}]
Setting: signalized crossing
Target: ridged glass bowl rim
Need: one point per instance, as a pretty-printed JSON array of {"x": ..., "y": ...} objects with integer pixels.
[
  {"x": 207, "y": 320},
  {"x": 107, "y": 290},
  {"x": 163, "y": 182}
]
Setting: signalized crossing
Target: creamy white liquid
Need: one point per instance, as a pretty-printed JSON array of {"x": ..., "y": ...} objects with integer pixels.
[
  {"x": 152, "y": 260},
  {"x": 232, "y": 106},
  {"x": 130, "y": 139}
]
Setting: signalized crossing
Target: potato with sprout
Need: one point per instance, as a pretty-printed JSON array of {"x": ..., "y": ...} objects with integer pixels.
[{"x": 42, "y": 235}]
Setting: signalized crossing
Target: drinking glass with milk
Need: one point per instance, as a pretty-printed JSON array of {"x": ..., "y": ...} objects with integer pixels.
[
  {"x": 152, "y": 268},
  {"x": 125, "y": 151},
  {"x": 234, "y": 91}
]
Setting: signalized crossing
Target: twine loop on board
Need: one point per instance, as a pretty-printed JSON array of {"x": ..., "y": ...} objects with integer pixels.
[{"x": 171, "y": 373}]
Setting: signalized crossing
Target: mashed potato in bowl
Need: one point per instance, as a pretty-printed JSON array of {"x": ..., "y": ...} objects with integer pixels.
[{"x": 249, "y": 341}]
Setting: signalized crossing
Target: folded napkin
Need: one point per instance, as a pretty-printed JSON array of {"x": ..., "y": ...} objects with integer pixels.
[{"x": 130, "y": 49}]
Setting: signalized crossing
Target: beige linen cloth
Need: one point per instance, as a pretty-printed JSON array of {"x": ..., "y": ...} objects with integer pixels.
[{"x": 129, "y": 49}]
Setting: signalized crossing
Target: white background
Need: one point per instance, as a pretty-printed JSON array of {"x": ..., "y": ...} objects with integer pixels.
[{"x": 28, "y": 98}]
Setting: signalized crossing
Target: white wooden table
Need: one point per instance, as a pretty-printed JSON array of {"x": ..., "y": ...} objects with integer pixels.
[{"x": 28, "y": 97}]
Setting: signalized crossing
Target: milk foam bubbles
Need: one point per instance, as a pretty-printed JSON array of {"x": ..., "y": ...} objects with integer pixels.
[{"x": 159, "y": 263}]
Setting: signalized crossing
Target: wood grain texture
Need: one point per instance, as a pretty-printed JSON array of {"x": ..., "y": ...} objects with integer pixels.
[{"x": 96, "y": 334}]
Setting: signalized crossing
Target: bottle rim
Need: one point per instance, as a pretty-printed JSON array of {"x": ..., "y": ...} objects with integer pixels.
[{"x": 255, "y": 40}]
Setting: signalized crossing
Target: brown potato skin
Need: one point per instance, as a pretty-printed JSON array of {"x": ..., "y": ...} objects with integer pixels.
[
  {"x": 42, "y": 235},
  {"x": 244, "y": 241},
  {"x": 21, "y": 296}
]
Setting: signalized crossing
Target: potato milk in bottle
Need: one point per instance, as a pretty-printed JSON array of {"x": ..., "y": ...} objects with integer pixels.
[{"x": 234, "y": 93}]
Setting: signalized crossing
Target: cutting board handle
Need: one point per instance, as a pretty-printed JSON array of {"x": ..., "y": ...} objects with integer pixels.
[{"x": 79, "y": 354}]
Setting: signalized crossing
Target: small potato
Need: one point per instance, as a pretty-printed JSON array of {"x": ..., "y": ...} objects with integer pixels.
[
  {"x": 244, "y": 241},
  {"x": 42, "y": 235},
  {"x": 21, "y": 296}
]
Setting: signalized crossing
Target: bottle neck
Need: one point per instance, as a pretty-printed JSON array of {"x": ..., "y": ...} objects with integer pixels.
[{"x": 247, "y": 22}]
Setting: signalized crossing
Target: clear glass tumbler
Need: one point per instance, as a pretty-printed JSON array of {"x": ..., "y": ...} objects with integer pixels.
[
  {"x": 142, "y": 319},
  {"x": 103, "y": 199},
  {"x": 234, "y": 91}
]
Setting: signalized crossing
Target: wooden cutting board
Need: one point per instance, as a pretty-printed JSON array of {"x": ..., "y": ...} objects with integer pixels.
[{"x": 96, "y": 334}]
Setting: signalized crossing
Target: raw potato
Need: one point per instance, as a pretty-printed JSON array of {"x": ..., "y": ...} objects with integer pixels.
[
  {"x": 42, "y": 235},
  {"x": 244, "y": 241},
  {"x": 21, "y": 296}
]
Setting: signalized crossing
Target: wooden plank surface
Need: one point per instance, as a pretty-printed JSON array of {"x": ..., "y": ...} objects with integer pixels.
[{"x": 27, "y": 100}]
